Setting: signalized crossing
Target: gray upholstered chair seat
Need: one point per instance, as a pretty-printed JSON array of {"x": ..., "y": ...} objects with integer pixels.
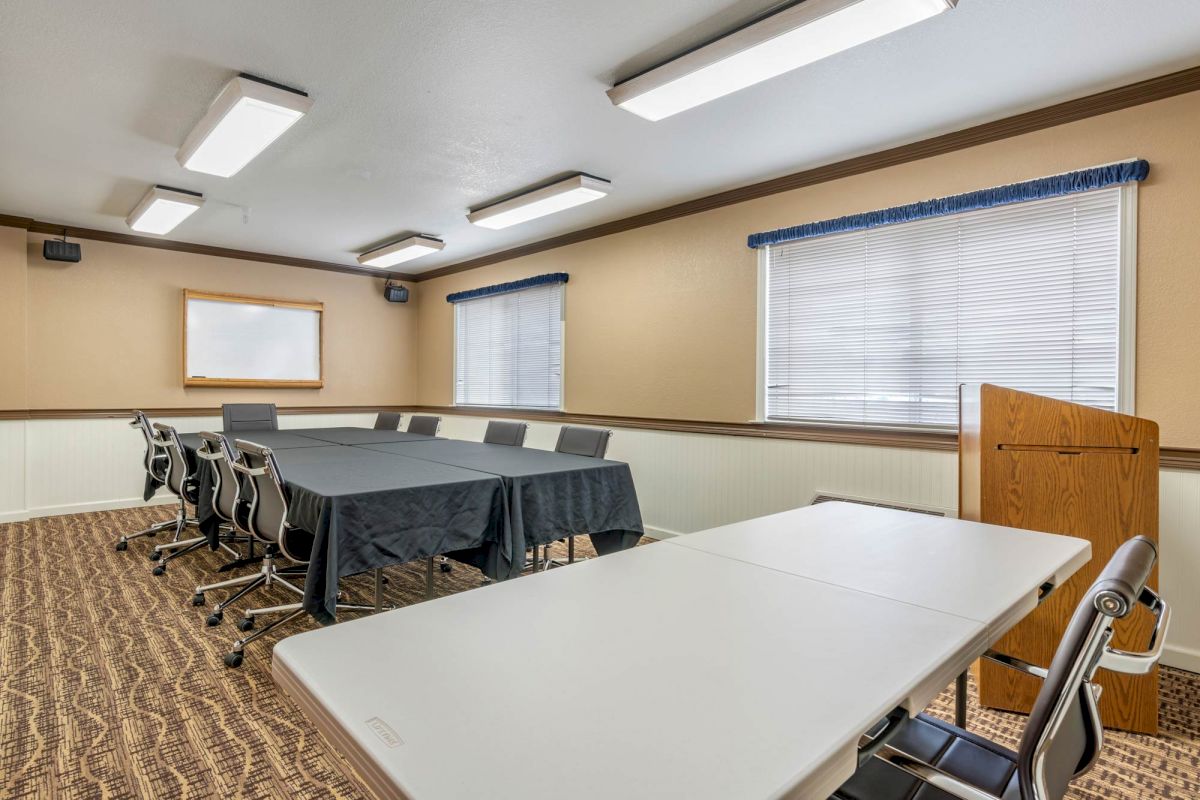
[{"x": 953, "y": 750}]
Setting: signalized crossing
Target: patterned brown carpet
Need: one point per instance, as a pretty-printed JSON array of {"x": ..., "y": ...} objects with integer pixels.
[{"x": 111, "y": 686}]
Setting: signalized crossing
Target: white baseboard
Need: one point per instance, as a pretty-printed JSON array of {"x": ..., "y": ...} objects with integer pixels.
[
  {"x": 660, "y": 533},
  {"x": 103, "y": 505},
  {"x": 1184, "y": 658}
]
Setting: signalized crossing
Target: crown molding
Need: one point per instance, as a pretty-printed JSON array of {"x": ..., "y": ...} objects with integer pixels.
[
  {"x": 57, "y": 229},
  {"x": 1134, "y": 94}
]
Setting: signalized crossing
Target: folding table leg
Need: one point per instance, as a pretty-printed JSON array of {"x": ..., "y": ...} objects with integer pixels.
[{"x": 960, "y": 701}]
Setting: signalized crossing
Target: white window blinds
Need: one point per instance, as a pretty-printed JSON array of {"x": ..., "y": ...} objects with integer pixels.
[
  {"x": 508, "y": 349},
  {"x": 879, "y": 326}
]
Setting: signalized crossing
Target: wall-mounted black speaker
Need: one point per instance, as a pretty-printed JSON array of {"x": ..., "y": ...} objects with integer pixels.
[
  {"x": 60, "y": 250},
  {"x": 395, "y": 294}
]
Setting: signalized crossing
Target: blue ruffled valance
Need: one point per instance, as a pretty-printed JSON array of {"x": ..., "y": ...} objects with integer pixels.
[
  {"x": 504, "y": 288},
  {"x": 1068, "y": 183}
]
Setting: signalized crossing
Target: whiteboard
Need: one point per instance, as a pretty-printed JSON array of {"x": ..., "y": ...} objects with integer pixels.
[{"x": 243, "y": 341}]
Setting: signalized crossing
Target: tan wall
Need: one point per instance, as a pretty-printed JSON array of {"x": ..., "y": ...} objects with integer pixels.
[
  {"x": 12, "y": 318},
  {"x": 660, "y": 321},
  {"x": 106, "y": 333}
]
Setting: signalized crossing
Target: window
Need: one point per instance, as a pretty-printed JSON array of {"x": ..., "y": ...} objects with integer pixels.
[
  {"x": 508, "y": 349},
  {"x": 879, "y": 326}
]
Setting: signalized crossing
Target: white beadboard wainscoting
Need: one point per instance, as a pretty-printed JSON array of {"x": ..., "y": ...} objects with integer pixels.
[{"x": 686, "y": 482}]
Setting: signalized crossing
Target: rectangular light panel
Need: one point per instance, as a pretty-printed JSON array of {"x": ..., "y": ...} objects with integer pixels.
[
  {"x": 573, "y": 191},
  {"x": 245, "y": 118},
  {"x": 162, "y": 208},
  {"x": 399, "y": 252},
  {"x": 784, "y": 41}
]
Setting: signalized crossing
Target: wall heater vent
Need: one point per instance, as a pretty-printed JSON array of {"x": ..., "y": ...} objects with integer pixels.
[{"x": 862, "y": 501}]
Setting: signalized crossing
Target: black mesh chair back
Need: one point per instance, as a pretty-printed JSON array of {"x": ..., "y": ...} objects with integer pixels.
[
  {"x": 216, "y": 452},
  {"x": 178, "y": 474},
  {"x": 155, "y": 460},
  {"x": 591, "y": 442},
  {"x": 1063, "y": 735},
  {"x": 426, "y": 426},
  {"x": 239, "y": 417},
  {"x": 510, "y": 433},
  {"x": 387, "y": 421},
  {"x": 268, "y": 511}
]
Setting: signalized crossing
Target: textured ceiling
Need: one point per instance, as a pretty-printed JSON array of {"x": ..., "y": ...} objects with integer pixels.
[{"x": 425, "y": 109}]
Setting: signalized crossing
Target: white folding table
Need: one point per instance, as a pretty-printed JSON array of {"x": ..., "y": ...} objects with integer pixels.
[{"x": 742, "y": 662}]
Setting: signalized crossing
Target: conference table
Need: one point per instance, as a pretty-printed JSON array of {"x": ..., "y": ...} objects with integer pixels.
[
  {"x": 746, "y": 661},
  {"x": 376, "y": 498}
]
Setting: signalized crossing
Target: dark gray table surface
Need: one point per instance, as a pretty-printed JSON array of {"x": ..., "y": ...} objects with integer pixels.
[
  {"x": 550, "y": 495},
  {"x": 352, "y": 436},
  {"x": 276, "y": 440}
]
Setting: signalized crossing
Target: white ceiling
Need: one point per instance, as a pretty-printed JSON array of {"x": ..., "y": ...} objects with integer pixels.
[{"x": 425, "y": 108}]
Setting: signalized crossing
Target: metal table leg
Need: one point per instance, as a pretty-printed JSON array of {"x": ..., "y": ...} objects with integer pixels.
[{"x": 960, "y": 701}]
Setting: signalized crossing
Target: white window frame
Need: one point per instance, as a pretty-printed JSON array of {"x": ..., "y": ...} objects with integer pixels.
[
  {"x": 1126, "y": 325},
  {"x": 562, "y": 372}
]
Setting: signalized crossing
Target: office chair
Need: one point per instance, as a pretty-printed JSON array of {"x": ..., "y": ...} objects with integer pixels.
[
  {"x": 230, "y": 508},
  {"x": 510, "y": 433},
  {"x": 426, "y": 426},
  {"x": 590, "y": 442},
  {"x": 240, "y": 417},
  {"x": 154, "y": 462},
  {"x": 183, "y": 484},
  {"x": 387, "y": 421},
  {"x": 266, "y": 519},
  {"x": 1063, "y": 734}
]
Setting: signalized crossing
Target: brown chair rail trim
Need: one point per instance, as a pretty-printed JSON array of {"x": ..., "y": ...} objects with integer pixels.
[
  {"x": 1182, "y": 458},
  {"x": 1134, "y": 94}
]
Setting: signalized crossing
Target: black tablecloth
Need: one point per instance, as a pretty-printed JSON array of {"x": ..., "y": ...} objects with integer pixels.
[
  {"x": 550, "y": 495},
  {"x": 397, "y": 497},
  {"x": 280, "y": 441},
  {"x": 372, "y": 509}
]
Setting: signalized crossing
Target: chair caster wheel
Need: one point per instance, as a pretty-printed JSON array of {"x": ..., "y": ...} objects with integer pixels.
[
  {"x": 198, "y": 599},
  {"x": 161, "y": 569},
  {"x": 214, "y": 619},
  {"x": 122, "y": 545},
  {"x": 153, "y": 555},
  {"x": 446, "y": 567},
  {"x": 233, "y": 659},
  {"x": 246, "y": 624}
]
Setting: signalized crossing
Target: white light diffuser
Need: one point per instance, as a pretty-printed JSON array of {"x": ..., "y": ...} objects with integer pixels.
[
  {"x": 564, "y": 194},
  {"x": 784, "y": 41},
  {"x": 401, "y": 251},
  {"x": 162, "y": 208},
  {"x": 246, "y": 117}
]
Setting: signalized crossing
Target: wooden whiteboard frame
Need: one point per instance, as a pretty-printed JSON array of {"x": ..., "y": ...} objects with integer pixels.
[{"x": 255, "y": 383}]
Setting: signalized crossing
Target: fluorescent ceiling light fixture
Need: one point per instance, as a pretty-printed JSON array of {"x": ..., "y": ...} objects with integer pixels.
[
  {"x": 401, "y": 251},
  {"x": 246, "y": 117},
  {"x": 559, "y": 196},
  {"x": 162, "y": 208},
  {"x": 798, "y": 35}
]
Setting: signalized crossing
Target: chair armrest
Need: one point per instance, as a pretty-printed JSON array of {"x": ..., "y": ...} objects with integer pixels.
[
  {"x": 240, "y": 467},
  {"x": 1141, "y": 663},
  {"x": 927, "y": 773},
  {"x": 873, "y": 744},
  {"x": 1012, "y": 662}
]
